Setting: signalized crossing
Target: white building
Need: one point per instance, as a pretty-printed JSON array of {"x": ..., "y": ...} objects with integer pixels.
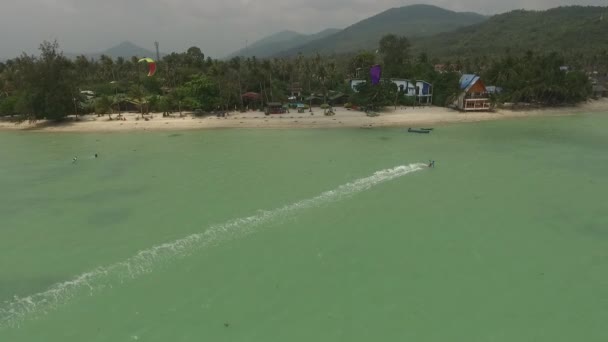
[
  {"x": 355, "y": 83},
  {"x": 422, "y": 90}
]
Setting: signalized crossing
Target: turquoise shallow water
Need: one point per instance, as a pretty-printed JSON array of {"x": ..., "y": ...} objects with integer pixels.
[{"x": 506, "y": 240}]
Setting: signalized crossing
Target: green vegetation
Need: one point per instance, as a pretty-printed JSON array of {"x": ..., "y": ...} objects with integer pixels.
[
  {"x": 579, "y": 32},
  {"x": 280, "y": 42},
  {"x": 372, "y": 97},
  {"x": 39, "y": 87},
  {"x": 537, "y": 79},
  {"x": 52, "y": 86},
  {"x": 103, "y": 105},
  {"x": 201, "y": 93},
  {"x": 411, "y": 21},
  {"x": 395, "y": 50}
]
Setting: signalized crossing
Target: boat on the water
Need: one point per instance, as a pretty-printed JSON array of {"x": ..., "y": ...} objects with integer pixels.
[{"x": 421, "y": 131}]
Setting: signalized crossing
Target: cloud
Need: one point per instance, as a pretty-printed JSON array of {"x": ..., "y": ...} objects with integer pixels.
[{"x": 217, "y": 26}]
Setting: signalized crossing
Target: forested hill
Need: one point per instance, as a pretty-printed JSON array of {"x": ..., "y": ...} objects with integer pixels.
[
  {"x": 569, "y": 30},
  {"x": 278, "y": 42},
  {"x": 410, "y": 21},
  {"x": 125, "y": 50}
]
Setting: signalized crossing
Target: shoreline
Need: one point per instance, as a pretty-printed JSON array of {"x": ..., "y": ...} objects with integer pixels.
[{"x": 408, "y": 117}]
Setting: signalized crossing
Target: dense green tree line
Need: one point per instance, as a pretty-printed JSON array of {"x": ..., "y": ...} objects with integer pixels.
[
  {"x": 52, "y": 86},
  {"x": 537, "y": 79},
  {"x": 577, "y": 32}
]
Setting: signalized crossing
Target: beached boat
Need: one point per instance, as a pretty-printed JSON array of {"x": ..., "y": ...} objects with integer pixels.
[{"x": 421, "y": 131}]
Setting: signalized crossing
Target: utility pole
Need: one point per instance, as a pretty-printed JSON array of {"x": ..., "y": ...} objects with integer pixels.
[{"x": 157, "y": 51}]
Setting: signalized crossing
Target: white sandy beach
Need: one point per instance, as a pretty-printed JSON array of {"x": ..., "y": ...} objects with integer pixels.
[{"x": 401, "y": 117}]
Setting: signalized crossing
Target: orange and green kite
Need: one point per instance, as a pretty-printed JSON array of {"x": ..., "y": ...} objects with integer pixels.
[{"x": 151, "y": 65}]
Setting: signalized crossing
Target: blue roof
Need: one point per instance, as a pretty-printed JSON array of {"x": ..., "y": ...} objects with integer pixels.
[{"x": 467, "y": 80}]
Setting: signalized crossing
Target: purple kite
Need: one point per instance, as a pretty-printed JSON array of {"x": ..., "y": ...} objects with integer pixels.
[{"x": 376, "y": 73}]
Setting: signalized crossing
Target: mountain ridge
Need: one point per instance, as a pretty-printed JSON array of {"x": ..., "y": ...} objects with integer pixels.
[
  {"x": 568, "y": 29},
  {"x": 280, "y": 41},
  {"x": 410, "y": 21},
  {"x": 125, "y": 49}
]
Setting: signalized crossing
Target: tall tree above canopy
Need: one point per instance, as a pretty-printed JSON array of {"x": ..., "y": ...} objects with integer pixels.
[
  {"x": 48, "y": 84},
  {"x": 362, "y": 61},
  {"x": 107, "y": 70},
  {"x": 201, "y": 93},
  {"x": 196, "y": 52},
  {"x": 195, "y": 57},
  {"x": 395, "y": 51}
]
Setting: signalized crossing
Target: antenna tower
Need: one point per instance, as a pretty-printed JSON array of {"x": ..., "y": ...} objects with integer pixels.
[{"x": 157, "y": 51}]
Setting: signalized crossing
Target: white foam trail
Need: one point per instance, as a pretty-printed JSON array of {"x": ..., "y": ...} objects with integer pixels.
[{"x": 20, "y": 308}]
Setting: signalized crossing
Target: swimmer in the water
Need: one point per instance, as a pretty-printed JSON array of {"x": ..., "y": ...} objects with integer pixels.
[
  {"x": 74, "y": 160},
  {"x": 96, "y": 155}
]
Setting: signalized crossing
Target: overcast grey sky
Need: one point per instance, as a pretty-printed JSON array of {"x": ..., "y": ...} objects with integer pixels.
[{"x": 218, "y": 27}]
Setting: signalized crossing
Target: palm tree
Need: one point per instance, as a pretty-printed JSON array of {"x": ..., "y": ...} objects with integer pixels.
[
  {"x": 267, "y": 67},
  {"x": 137, "y": 94},
  {"x": 107, "y": 68},
  {"x": 120, "y": 65},
  {"x": 322, "y": 78},
  {"x": 307, "y": 74},
  {"x": 83, "y": 66},
  {"x": 236, "y": 65}
]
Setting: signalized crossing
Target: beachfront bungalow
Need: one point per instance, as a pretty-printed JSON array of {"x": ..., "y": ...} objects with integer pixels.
[
  {"x": 128, "y": 105},
  {"x": 424, "y": 92},
  {"x": 252, "y": 100},
  {"x": 296, "y": 90},
  {"x": 336, "y": 98},
  {"x": 251, "y": 96},
  {"x": 421, "y": 90},
  {"x": 494, "y": 90},
  {"x": 474, "y": 95},
  {"x": 405, "y": 86},
  {"x": 354, "y": 84},
  {"x": 87, "y": 94},
  {"x": 314, "y": 100},
  {"x": 274, "y": 108}
]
